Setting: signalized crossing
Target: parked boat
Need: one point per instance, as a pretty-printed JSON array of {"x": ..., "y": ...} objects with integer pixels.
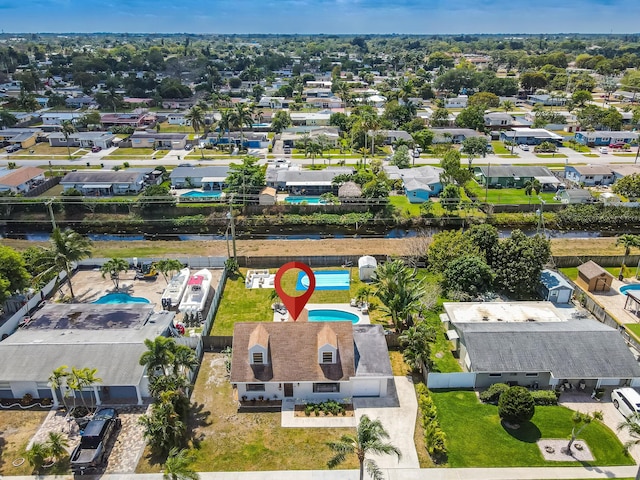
[
  {"x": 196, "y": 293},
  {"x": 173, "y": 293}
]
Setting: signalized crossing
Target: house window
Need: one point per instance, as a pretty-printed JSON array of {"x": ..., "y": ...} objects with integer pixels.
[
  {"x": 530, "y": 374},
  {"x": 255, "y": 387},
  {"x": 326, "y": 388},
  {"x": 327, "y": 357},
  {"x": 258, "y": 357},
  {"x": 495, "y": 374}
]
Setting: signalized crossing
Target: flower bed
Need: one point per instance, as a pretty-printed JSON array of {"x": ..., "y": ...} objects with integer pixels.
[{"x": 325, "y": 409}]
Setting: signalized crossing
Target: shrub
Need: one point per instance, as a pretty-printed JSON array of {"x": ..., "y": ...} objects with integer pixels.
[
  {"x": 516, "y": 405},
  {"x": 434, "y": 436},
  {"x": 545, "y": 397},
  {"x": 492, "y": 394}
]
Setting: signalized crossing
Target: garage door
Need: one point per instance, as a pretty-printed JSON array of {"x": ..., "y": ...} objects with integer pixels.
[{"x": 366, "y": 388}]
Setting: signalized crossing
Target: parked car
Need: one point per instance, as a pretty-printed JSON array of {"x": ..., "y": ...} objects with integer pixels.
[
  {"x": 287, "y": 150},
  {"x": 524, "y": 147},
  {"x": 13, "y": 148},
  {"x": 96, "y": 148},
  {"x": 91, "y": 452},
  {"x": 626, "y": 400},
  {"x": 188, "y": 146},
  {"x": 619, "y": 146},
  {"x": 603, "y": 150}
]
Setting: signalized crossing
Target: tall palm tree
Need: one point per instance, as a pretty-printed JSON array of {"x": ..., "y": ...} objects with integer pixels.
[
  {"x": 168, "y": 266},
  {"x": 632, "y": 426},
  {"x": 58, "y": 381},
  {"x": 195, "y": 116},
  {"x": 67, "y": 247},
  {"x": 311, "y": 150},
  {"x": 184, "y": 359},
  {"x": 113, "y": 267},
  {"x": 178, "y": 465},
  {"x": 224, "y": 125},
  {"x": 370, "y": 438},
  {"x": 507, "y": 106},
  {"x": 628, "y": 241},
  {"x": 344, "y": 92},
  {"x": 242, "y": 116},
  {"x": 67, "y": 129}
]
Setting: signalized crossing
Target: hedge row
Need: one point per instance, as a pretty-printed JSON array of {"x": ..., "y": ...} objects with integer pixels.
[
  {"x": 540, "y": 397},
  {"x": 433, "y": 435}
]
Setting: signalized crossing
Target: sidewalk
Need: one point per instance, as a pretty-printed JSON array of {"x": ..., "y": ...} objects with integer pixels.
[{"x": 538, "y": 473}]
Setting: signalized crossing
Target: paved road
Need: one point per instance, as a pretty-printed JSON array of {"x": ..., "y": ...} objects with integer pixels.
[{"x": 539, "y": 473}]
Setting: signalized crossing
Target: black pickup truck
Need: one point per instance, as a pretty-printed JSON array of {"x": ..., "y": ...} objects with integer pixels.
[{"x": 91, "y": 452}]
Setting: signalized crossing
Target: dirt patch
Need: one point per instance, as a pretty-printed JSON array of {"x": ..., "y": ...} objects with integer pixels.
[
  {"x": 16, "y": 429},
  {"x": 554, "y": 450}
]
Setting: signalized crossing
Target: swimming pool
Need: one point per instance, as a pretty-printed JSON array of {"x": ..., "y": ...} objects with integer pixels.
[
  {"x": 329, "y": 315},
  {"x": 326, "y": 280},
  {"x": 116, "y": 298},
  {"x": 303, "y": 199},
  {"x": 199, "y": 194},
  {"x": 625, "y": 288}
]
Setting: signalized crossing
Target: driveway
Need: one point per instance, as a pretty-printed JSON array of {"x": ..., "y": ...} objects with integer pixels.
[
  {"x": 612, "y": 417},
  {"x": 397, "y": 412}
]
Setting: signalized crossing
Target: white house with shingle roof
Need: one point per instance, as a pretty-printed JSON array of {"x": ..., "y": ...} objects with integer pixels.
[{"x": 20, "y": 180}]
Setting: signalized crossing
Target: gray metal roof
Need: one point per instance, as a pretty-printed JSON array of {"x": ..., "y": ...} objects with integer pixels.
[
  {"x": 84, "y": 135},
  {"x": 102, "y": 176},
  {"x": 554, "y": 281},
  {"x": 371, "y": 354},
  {"x": 572, "y": 349},
  {"x": 500, "y": 171},
  {"x": 160, "y": 136},
  {"x": 200, "y": 172}
]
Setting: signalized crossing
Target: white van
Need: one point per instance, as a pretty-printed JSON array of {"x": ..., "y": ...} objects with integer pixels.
[{"x": 627, "y": 400}]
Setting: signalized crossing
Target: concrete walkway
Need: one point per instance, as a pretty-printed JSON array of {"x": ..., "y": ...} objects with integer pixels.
[{"x": 538, "y": 473}]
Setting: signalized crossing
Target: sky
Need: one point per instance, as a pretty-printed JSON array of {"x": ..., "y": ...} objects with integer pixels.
[{"x": 321, "y": 16}]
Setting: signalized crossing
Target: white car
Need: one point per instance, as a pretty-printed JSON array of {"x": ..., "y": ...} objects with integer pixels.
[
  {"x": 627, "y": 400},
  {"x": 524, "y": 147},
  {"x": 603, "y": 150}
]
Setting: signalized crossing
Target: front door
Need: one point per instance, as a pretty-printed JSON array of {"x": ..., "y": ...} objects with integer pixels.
[{"x": 288, "y": 390}]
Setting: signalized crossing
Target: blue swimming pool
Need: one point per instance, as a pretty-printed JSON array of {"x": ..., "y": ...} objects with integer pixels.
[
  {"x": 303, "y": 199},
  {"x": 326, "y": 280},
  {"x": 199, "y": 194},
  {"x": 625, "y": 288},
  {"x": 328, "y": 315},
  {"x": 117, "y": 298}
]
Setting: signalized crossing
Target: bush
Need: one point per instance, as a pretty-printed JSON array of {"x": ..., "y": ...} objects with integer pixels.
[
  {"x": 544, "y": 397},
  {"x": 516, "y": 405},
  {"x": 434, "y": 436},
  {"x": 492, "y": 394}
]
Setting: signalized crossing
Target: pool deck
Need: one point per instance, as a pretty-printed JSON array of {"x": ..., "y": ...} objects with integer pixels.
[
  {"x": 345, "y": 307},
  {"x": 613, "y": 301}
]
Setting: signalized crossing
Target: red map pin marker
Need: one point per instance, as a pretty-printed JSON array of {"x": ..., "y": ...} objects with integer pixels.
[{"x": 295, "y": 305}]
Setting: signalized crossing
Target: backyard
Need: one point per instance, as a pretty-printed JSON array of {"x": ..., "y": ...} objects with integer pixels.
[
  {"x": 16, "y": 429},
  {"x": 225, "y": 440},
  {"x": 476, "y": 438}
]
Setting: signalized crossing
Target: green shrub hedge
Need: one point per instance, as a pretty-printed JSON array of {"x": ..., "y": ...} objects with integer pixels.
[
  {"x": 434, "y": 436},
  {"x": 544, "y": 397},
  {"x": 492, "y": 394}
]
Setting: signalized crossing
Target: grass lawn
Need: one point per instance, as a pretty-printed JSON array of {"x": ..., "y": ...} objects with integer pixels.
[
  {"x": 591, "y": 155},
  {"x": 551, "y": 155},
  {"x": 577, "y": 147},
  {"x": 511, "y": 196},
  {"x": 499, "y": 148},
  {"x": 476, "y": 438},
  {"x": 634, "y": 328},
  {"x": 121, "y": 151},
  {"x": 624, "y": 154},
  {"x": 16, "y": 429},
  {"x": 54, "y": 191},
  {"x": 232, "y": 441},
  {"x": 240, "y": 304}
]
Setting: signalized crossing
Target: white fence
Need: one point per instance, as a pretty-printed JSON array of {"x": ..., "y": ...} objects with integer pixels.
[
  {"x": 10, "y": 326},
  {"x": 192, "y": 262},
  {"x": 451, "y": 380}
]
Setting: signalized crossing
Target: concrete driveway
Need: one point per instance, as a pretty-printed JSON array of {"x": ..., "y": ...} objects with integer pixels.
[
  {"x": 398, "y": 416},
  {"x": 612, "y": 417}
]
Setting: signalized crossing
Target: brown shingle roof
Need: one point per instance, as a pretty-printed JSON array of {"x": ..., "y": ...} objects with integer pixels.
[
  {"x": 591, "y": 270},
  {"x": 20, "y": 176},
  {"x": 259, "y": 336},
  {"x": 327, "y": 337},
  {"x": 293, "y": 353}
]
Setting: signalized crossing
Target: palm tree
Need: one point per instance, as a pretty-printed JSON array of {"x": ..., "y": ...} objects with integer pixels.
[
  {"x": 580, "y": 422},
  {"x": 242, "y": 116},
  {"x": 58, "y": 381},
  {"x": 178, "y": 465},
  {"x": 196, "y": 117},
  {"x": 311, "y": 150},
  {"x": 67, "y": 129},
  {"x": 369, "y": 438},
  {"x": 81, "y": 378},
  {"x": 224, "y": 125},
  {"x": 159, "y": 354},
  {"x": 36, "y": 455},
  {"x": 184, "y": 359},
  {"x": 344, "y": 92},
  {"x": 56, "y": 445},
  {"x": 66, "y": 248},
  {"x": 628, "y": 241},
  {"x": 113, "y": 267},
  {"x": 507, "y": 106},
  {"x": 632, "y": 426},
  {"x": 168, "y": 266}
]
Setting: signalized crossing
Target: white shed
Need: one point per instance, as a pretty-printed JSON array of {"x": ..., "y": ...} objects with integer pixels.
[{"x": 366, "y": 266}]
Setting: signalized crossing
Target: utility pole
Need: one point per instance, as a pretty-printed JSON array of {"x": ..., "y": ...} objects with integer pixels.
[
  {"x": 232, "y": 225},
  {"x": 50, "y": 207}
]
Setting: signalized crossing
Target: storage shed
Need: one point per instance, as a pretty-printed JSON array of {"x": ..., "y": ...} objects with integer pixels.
[
  {"x": 366, "y": 266},
  {"x": 267, "y": 196},
  {"x": 554, "y": 287},
  {"x": 593, "y": 278}
]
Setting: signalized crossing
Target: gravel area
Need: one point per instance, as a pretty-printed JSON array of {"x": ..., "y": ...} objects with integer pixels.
[{"x": 553, "y": 450}]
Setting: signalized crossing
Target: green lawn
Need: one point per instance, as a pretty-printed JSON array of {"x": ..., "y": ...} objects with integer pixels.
[
  {"x": 132, "y": 151},
  {"x": 511, "y": 196},
  {"x": 240, "y": 304},
  {"x": 551, "y": 155},
  {"x": 499, "y": 148},
  {"x": 577, "y": 147},
  {"x": 591, "y": 155},
  {"x": 633, "y": 327},
  {"x": 476, "y": 438},
  {"x": 624, "y": 154}
]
